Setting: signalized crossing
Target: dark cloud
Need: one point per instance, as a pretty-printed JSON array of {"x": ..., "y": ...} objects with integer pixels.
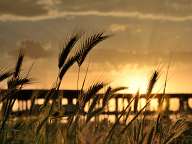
[
  {"x": 32, "y": 50},
  {"x": 44, "y": 7},
  {"x": 170, "y": 7},
  {"x": 22, "y": 7}
]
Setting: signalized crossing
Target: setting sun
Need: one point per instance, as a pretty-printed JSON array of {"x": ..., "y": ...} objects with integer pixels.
[
  {"x": 138, "y": 84},
  {"x": 134, "y": 81}
]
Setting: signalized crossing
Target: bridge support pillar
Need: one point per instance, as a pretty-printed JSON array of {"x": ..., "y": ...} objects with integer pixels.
[
  {"x": 116, "y": 108},
  {"x": 167, "y": 104},
  {"x": 184, "y": 105}
]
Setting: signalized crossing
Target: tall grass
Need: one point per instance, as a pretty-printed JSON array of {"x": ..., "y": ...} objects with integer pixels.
[{"x": 46, "y": 126}]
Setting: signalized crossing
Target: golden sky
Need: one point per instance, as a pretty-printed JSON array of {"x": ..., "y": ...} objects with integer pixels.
[{"x": 147, "y": 34}]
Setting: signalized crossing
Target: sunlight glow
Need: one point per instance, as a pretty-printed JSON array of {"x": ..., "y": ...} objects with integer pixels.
[
  {"x": 138, "y": 84},
  {"x": 134, "y": 83},
  {"x": 132, "y": 76}
]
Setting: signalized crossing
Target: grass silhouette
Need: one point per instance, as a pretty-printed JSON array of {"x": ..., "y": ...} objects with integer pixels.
[{"x": 46, "y": 126}]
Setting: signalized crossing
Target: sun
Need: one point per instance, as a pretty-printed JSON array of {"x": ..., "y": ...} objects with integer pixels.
[
  {"x": 134, "y": 83},
  {"x": 138, "y": 84}
]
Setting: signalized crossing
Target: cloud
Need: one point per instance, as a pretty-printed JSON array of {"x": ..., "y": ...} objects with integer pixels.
[
  {"x": 22, "y": 8},
  {"x": 32, "y": 49},
  {"x": 34, "y": 10},
  {"x": 115, "y": 14},
  {"x": 118, "y": 58},
  {"x": 118, "y": 27},
  {"x": 144, "y": 6}
]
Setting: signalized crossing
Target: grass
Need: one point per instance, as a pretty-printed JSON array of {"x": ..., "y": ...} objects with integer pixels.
[{"x": 46, "y": 126}]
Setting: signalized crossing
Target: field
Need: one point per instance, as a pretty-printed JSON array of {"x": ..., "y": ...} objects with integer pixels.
[{"x": 80, "y": 126}]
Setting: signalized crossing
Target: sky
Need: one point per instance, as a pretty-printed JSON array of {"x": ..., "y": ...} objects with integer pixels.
[{"x": 147, "y": 35}]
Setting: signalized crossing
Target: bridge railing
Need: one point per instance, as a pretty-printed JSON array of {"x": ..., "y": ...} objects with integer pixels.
[{"x": 115, "y": 106}]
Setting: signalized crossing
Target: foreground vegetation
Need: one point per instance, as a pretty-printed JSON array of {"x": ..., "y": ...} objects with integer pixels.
[{"x": 81, "y": 127}]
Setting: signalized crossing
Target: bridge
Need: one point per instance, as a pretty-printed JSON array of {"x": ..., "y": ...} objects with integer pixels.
[{"x": 119, "y": 101}]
